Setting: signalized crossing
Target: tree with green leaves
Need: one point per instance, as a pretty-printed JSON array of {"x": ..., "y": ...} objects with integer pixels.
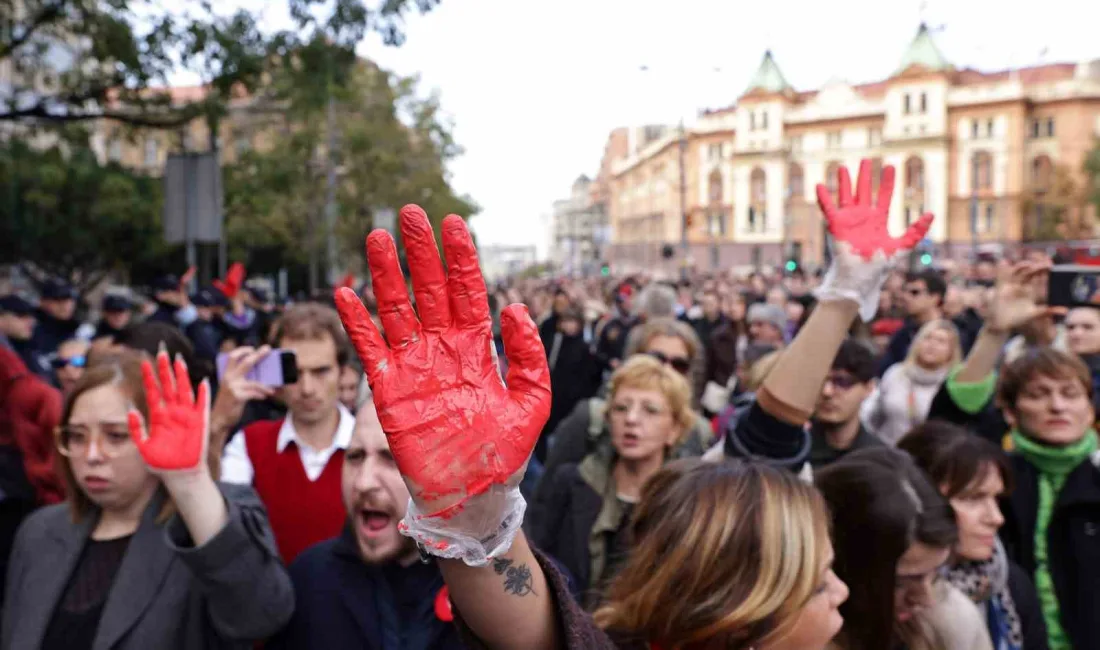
[
  {"x": 77, "y": 60},
  {"x": 392, "y": 146},
  {"x": 67, "y": 215}
]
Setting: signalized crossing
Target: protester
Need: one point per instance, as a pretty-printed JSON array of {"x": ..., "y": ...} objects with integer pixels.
[
  {"x": 69, "y": 362},
  {"x": 149, "y": 552},
  {"x": 889, "y": 550},
  {"x": 904, "y": 395},
  {"x": 973, "y": 474},
  {"x": 366, "y": 587},
  {"x": 294, "y": 463},
  {"x": 351, "y": 382},
  {"x": 1047, "y": 402},
  {"x": 836, "y": 428},
  {"x": 767, "y": 324},
  {"x": 582, "y": 518},
  {"x": 468, "y": 513},
  {"x": 923, "y": 303},
  {"x": 575, "y": 373}
]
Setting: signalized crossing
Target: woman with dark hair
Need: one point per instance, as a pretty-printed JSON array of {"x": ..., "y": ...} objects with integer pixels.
[
  {"x": 973, "y": 474},
  {"x": 892, "y": 532}
]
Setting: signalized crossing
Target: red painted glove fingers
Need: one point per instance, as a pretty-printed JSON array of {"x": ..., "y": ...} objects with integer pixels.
[
  {"x": 860, "y": 221},
  {"x": 177, "y": 423}
]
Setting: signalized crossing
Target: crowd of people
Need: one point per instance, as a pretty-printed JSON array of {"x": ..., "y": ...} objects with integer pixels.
[{"x": 878, "y": 456}]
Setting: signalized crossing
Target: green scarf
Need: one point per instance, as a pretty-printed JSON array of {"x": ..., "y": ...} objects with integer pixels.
[{"x": 1054, "y": 465}]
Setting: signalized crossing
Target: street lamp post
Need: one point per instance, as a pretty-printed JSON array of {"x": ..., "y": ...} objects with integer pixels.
[{"x": 683, "y": 202}]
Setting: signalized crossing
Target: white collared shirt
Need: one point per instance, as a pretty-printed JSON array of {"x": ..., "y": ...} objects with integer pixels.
[{"x": 237, "y": 467}]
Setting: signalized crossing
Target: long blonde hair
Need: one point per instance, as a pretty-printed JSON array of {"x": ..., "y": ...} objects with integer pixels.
[
  {"x": 938, "y": 325},
  {"x": 723, "y": 552}
]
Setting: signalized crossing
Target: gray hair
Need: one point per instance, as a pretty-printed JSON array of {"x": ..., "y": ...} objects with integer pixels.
[{"x": 656, "y": 301}]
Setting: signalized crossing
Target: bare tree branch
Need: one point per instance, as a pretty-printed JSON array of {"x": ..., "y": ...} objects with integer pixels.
[
  {"x": 179, "y": 116},
  {"x": 46, "y": 15}
]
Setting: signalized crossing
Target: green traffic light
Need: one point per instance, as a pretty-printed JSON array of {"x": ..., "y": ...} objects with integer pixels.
[
  {"x": 926, "y": 259},
  {"x": 605, "y": 270},
  {"x": 791, "y": 265}
]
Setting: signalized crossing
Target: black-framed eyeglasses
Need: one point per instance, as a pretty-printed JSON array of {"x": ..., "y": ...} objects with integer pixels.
[{"x": 680, "y": 364}]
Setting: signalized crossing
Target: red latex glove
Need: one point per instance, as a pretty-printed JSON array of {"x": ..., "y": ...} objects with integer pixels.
[
  {"x": 453, "y": 427},
  {"x": 861, "y": 222},
  {"x": 234, "y": 279},
  {"x": 178, "y": 422}
]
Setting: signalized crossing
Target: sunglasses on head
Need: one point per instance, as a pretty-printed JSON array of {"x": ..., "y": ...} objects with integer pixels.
[
  {"x": 60, "y": 362},
  {"x": 680, "y": 364}
]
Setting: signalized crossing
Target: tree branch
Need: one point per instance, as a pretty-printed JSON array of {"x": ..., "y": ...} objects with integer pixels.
[
  {"x": 180, "y": 118},
  {"x": 48, "y": 13}
]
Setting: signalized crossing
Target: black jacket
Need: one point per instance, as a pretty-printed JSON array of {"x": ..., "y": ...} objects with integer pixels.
[
  {"x": 49, "y": 332},
  {"x": 342, "y": 602},
  {"x": 1073, "y": 536}
]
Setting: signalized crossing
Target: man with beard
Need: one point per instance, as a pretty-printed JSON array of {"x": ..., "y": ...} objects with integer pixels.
[{"x": 367, "y": 588}]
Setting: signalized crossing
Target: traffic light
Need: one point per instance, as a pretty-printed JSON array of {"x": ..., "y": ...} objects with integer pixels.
[
  {"x": 605, "y": 270},
  {"x": 791, "y": 266},
  {"x": 926, "y": 259}
]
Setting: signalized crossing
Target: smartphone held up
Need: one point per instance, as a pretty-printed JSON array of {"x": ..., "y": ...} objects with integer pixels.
[{"x": 277, "y": 368}]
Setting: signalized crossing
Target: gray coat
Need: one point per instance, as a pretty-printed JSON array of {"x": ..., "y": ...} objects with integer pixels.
[{"x": 167, "y": 594}]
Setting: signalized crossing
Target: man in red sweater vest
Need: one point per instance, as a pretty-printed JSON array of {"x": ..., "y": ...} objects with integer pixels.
[{"x": 294, "y": 464}]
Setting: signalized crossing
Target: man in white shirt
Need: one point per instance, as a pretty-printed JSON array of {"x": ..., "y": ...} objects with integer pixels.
[{"x": 294, "y": 464}]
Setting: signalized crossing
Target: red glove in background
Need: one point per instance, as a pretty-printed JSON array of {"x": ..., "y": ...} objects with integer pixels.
[
  {"x": 862, "y": 222},
  {"x": 234, "y": 280},
  {"x": 454, "y": 429},
  {"x": 178, "y": 422}
]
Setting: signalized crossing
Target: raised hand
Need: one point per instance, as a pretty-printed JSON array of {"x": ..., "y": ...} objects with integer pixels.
[
  {"x": 178, "y": 428},
  {"x": 234, "y": 278},
  {"x": 860, "y": 222},
  {"x": 1016, "y": 295},
  {"x": 454, "y": 428},
  {"x": 864, "y": 250}
]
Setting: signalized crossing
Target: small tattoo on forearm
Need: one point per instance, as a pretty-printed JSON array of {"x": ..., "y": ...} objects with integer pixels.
[{"x": 517, "y": 579}]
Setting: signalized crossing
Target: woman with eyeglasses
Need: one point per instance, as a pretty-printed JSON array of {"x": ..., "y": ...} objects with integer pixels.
[
  {"x": 149, "y": 551},
  {"x": 582, "y": 519},
  {"x": 671, "y": 342},
  {"x": 892, "y": 534},
  {"x": 68, "y": 364}
]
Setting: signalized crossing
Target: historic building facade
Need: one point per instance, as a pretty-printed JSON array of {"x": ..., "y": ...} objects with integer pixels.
[{"x": 996, "y": 156}]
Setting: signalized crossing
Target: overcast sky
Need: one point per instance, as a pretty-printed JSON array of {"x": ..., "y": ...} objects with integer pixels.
[{"x": 534, "y": 86}]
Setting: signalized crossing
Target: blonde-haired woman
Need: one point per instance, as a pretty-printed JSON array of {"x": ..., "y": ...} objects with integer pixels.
[
  {"x": 582, "y": 519},
  {"x": 905, "y": 392},
  {"x": 149, "y": 552}
]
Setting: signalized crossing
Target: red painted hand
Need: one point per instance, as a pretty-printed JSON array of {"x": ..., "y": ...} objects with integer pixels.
[
  {"x": 861, "y": 222},
  {"x": 234, "y": 278},
  {"x": 453, "y": 427},
  {"x": 178, "y": 429}
]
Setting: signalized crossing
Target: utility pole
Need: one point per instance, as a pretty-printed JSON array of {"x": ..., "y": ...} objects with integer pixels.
[
  {"x": 974, "y": 207},
  {"x": 330, "y": 193},
  {"x": 683, "y": 203}
]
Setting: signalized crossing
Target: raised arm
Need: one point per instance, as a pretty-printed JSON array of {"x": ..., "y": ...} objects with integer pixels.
[
  {"x": 459, "y": 435},
  {"x": 1015, "y": 302},
  {"x": 864, "y": 255}
]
